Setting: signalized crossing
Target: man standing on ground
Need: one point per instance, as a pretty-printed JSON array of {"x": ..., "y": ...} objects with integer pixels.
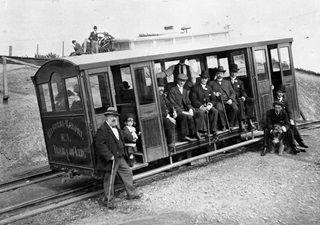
[{"x": 109, "y": 143}]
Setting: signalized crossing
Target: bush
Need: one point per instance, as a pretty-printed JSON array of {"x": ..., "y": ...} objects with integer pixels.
[{"x": 47, "y": 56}]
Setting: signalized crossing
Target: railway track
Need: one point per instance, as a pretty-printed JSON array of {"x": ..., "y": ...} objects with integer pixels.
[{"x": 94, "y": 188}]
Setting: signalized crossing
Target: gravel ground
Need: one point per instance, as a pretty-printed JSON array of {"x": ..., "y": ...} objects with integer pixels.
[{"x": 246, "y": 189}]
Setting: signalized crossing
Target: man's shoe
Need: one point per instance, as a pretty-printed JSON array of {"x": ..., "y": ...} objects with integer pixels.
[
  {"x": 132, "y": 197},
  {"x": 197, "y": 136},
  {"x": 111, "y": 205},
  {"x": 303, "y": 145},
  {"x": 189, "y": 139},
  {"x": 242, "y": 127},
  {"x": 214, "y": 133},
  {"x": 264, "y": 151},
  {"x": 251, "y": 125},
  {"x": 224, "y": 128}
]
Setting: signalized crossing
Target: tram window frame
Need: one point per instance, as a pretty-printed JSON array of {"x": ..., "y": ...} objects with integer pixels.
[
  {"x": 275, "y": 62},
  {"x": 241, "y": 63},
  {"x": 100, "y": 96},
  {"x": 144, "y": 85},
  {"x": 45, "y": 97},
  {"x": 58, "y": 92},
  {"x": 73, "y": 94},
  {"x": 264, "y": 75},
  {"x": 285, "y": 60}
]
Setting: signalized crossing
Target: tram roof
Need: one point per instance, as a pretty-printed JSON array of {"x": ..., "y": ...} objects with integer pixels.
[{"x": 171, "y": 51}]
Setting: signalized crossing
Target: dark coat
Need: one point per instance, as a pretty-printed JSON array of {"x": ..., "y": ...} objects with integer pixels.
[
  {"x": 238, "y": 87},
  {"x": 166, "y": 106},
  {"x": 199, "y": 96},
  {"x": 286, "y": 107},
  {"x": 107, "y": 145},
  {"x": 181, "y": 102},
  {"x": 225, "y": 89},
  {"x": 272, "y": 119}
]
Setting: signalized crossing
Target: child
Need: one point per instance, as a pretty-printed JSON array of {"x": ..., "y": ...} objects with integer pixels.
[{"x": 130, "y": 129}]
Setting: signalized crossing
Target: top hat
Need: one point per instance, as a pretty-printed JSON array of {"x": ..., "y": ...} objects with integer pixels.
[
  {"x": 277, "y": 103},
  {"x": 160, "y": 82},
  {"x": 234, "y": 68},
  {"x": 95, "y": 27},
  {"x": 111, "y": 111},
  {"x": 182, "y": 76},
  {"x": 205, "y": 74},
  {"x": 281, "y": 88}
]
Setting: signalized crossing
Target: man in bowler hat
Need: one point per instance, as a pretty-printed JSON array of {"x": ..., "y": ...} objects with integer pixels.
[
  {"x": 245, "y": 103},
  {"x": 203, "y": 100},
  {"x": 109, "y": 143}
]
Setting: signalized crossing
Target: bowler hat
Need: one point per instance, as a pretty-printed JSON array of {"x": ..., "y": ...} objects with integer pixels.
[
  {"x": 95, "y": 27},
  {"x": 111, "y": 111},
  {"x": 73, "y": 41},
  {"x": 220, "y": 69},
  {"x": 125, "y": 84},
  {"x": 281, "y": 88},
  {"x": 182, "y": 76},
  {"x": 205, "y": 74},
  {"x": 160, "y": 82},
  {"x": 234, "y": 68},
  {"x": 277, "y": 103}
]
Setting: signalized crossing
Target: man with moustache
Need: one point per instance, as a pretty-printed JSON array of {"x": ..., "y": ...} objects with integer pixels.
[{"x": 109, "y": 143}]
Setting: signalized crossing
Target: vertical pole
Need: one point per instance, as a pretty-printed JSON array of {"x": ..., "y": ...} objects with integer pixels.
[
  {"x": 37, "y": 49},
  {"x": 5, "y": 82},
  {"x": 62, "y": 48},
  {"x": 10, "y": 50}
]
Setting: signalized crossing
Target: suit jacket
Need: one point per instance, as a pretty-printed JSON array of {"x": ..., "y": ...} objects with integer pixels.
[
  {"x": 181, "y": 102},
  {"x": 272, "y": 119},
  {"x": 238, "y": 87},
  {"x": 107, "y": 145},
  {"x": 286, "y": 106},
  {"x": 199, "y": 96},
  {"x": 225, "y": 89},
  {"x": 166, "y": 106}
]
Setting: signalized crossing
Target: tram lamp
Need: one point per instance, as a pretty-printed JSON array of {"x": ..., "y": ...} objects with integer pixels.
[{"x": 185, "y": 28}]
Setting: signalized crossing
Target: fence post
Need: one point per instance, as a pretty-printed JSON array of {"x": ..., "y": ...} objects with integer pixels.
[
  {"x": 10, "y": 50},
  {"x": 62, "y": 49},
  {"x": 5, "y": 82}
]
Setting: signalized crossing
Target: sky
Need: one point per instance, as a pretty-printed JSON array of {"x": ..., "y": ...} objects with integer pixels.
[{"x": 52, "y": 24}]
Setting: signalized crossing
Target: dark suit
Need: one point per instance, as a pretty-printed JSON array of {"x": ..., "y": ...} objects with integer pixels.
[
  {"x": 282, "y": 118},
  {"x": 200, "y": 96},
  {"x": 294, "y": 129},
  {"x": 246, "y": 108},
  {"x": 167, "y": 108},
  {"x": 107, "y": 145},
  {"x": 181, "y": 102},
  {"x": 227, "y": 93}
]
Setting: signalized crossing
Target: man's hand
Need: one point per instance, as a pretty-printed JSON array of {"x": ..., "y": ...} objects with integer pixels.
[
  {"x": 229, "y": 102},
  {"x": 172, "y": 120},
  {"x": 291, "y": 122},
  {"x": 112, "y": 158},
  {"x": 243, "y": 98},
  {"x": 191, "y": 112},
  {"x": 203, "y": 108},
  {"x": 217, "y": 94},
  {"x": 284, "y": 129},
  {"x": 209, "y": 106}
]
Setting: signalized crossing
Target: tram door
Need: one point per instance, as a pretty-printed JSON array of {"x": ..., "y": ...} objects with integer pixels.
[
  {"x": 263, "y": 80},
  {"x": 148, "y": 112},
  {"x": 288, "y": 78}
]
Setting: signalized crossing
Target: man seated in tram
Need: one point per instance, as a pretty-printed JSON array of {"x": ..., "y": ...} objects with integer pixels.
[
  {"x": 76, "y": 104},
  {"x": 279, "y": 96},
  {"x": 169, "y": 115},
  {"x": 204, "y": 101},
  {"x": 181, "y": 68},
  {"x": 245, "y": 103},
  {"x": 278, "y": 116},
  {"x": 187, "y": 119},
  {"x": 223, "y": 90}
]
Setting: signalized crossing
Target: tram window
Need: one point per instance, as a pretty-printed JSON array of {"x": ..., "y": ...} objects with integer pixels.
[
  {"x": 73, "y": 92},
  {"x": 224, "y": 62},
  {"x": 241, "y": 63},
  {"x": 275, "y": 60},
  {"x": 195, "y": 66},
  {"x": 144, "y": 85},
  {"x": 99, "y": 92},
  {"x": 58, "y": 92},
  {"x": 124, "y": 86},
  {"x": 45, "y": 98},
  {"x": 167, "y": 65},
  {"x": 212, "y": 61},
  {"x": 261, "y": 65},
  {"x": 285, "y": 59}
]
